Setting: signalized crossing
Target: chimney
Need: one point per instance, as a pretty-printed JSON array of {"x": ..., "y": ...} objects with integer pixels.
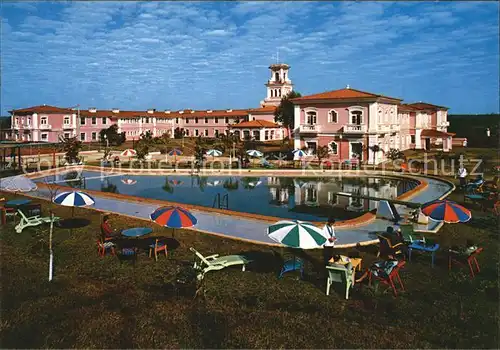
[
  {"x": 192, "y": 111},
  {"x": 92, "y": 110},
  {"x": 209, "y": 111},
  {"x": 229, "y": 110},
  {"x": 167, "y": 112},
  {"x": 180, "y": 112},
  {"x": 347, "y": 87},
  {"x": 151, "y": 111},
  {"x": 115, "y": 110}
]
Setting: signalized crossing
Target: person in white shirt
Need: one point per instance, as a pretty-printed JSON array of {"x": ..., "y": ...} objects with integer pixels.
[
  {"x": 462, "y": 174},
  {"x": 328, "y": 231}
]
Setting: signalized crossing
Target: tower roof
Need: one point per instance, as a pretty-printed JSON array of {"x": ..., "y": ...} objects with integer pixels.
[{"x": 278, "y": 66}]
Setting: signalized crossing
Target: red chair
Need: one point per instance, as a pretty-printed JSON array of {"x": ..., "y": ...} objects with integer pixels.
[
  {"x": 157, "y": 247},
  {"x": 467, "y": 259},
  {"x": 103, "y": 247},
  {"x": 388, "y": 279}
]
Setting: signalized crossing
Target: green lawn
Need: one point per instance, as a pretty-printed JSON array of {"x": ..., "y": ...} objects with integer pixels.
[{"x": 96, "y": 302}]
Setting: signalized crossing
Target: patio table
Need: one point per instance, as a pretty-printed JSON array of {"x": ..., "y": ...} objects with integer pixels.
[
  {"x": 135, "y": 232},
  {"x": 344, "y": 260},
  {"x": 419, "y": 245}
]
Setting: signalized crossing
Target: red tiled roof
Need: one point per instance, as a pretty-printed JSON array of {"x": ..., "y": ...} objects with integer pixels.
[
  {"x": 256, "y": 124},
  {"x": 426, "y": 106},
  {"x": 341, "y": 95},
  {"x": 186, "y": 113},
  {"x": 407, "y": 108},
  {"x": 263, "y": 110},
  {"x": 435, "y": 133},
  {"x": 42, "y": 109}
]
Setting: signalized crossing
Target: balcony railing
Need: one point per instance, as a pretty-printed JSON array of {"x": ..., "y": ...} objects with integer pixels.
[
  {"x": 45, "y": 126},
  {"x": 309, "y": 128},
  {"x": 26, "y": 126},
  {"x": 69, "y": 126},
  {"x": 354, "y": 128},
  {"x": 384, "y": 127}
]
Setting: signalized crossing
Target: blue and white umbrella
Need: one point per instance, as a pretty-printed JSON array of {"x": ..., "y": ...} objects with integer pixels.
[
  {"x": 254, "y": 153},
  {"x": 74, "y": 199},
  {"x": 214, "y": 153},
  {"x": 299, "y": 153},
  {"x": 17, "y": 183}
]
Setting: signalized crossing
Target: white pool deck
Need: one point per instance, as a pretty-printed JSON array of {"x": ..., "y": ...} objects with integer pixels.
[{"x": 256, "y": 231}]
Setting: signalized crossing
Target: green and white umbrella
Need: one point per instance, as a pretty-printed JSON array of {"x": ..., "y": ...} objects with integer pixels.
[
  {"x": 297, "y": 234},
  {"x": 214, "y": 153}
]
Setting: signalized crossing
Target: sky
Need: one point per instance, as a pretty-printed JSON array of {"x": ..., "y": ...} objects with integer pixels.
[{"x": 215, "y": 55}]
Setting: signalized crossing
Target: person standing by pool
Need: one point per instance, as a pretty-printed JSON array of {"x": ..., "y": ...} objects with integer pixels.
[
  {"x": 462, "y": 174},
  {"x": 328, "y": 231}
]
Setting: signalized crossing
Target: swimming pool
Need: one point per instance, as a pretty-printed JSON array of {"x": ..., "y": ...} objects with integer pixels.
[{"x": 302, "y": 198}]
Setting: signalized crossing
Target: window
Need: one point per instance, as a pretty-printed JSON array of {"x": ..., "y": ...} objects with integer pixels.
[
  {"x": 227, "y": 120},
  {"x": 187, "y": 120},
  {"x": 357, "y": 117},
  {"x": 412, "y": 138},
  {"x": 266, "y": 135},
  {"x": 196, "y": 120},
  {"x": 94, "y": 136},
  {"x": 216, "y": 120},
  {"x": 196, "y": 132},
  {"x": 45, "y": 137},
  {"x": 272, "y": 134},
  {"x": 206, "y": 132},
  {"x": 82, "y": 136},
  {"x": 216, "y": 133},
  {"x": 28, "y": 121},
  {"x": 66, "y": 135},
  {"x": 66, "y": 121},
  {"x": 333, "y": 147},
  {"x": 176, "y": 120},
  {"x": 82, "y": 120},
  {"x": 206, "y": 120},
  {"x": 43, "y": 121},
  {"x": 311, "y": 118},
  {"x": 186, "y": 132},
  {"x": 94, "y": 120},
  {"x": 104, "y": 121},
  {"x": 332, "y": 117},
  {"x": 16, "y": 121}
]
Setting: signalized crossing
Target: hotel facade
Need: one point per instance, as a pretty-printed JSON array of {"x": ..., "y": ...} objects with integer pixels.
[{"x": 347, "y": 121}]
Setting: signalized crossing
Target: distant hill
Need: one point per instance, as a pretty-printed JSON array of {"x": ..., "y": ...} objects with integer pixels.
[{"x": 473, "y": 127}]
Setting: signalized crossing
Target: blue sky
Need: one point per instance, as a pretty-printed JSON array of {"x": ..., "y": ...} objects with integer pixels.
[{"x": 176, "y": 55}]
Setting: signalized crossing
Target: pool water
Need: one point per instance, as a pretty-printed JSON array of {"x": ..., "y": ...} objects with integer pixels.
[{"x": 311, "y": 199}]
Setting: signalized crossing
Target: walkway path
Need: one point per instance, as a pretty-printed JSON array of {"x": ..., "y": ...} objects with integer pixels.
[{"x": 254, "y": 230}]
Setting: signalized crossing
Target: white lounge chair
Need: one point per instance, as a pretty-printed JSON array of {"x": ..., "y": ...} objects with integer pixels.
[
  {"x": 214, "y": 262},
  {"x": 31, "y": 221}
]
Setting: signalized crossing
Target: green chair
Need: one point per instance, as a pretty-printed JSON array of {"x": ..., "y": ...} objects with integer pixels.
[
  {"x": 216, "y": 262},
  {"x": 31, "y": 221},
  {"x": 340, "y": 274},
  {"x": 409, "y": 235}
]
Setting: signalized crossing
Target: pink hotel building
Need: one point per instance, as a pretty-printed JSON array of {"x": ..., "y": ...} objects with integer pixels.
[{"x": 348, "y": 121}]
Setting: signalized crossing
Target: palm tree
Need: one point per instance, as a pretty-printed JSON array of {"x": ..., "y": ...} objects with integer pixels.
[{"x": 375, "y": 149}]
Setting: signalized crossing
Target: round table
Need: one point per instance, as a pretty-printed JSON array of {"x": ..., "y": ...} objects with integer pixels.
[
  {"x": 14, "y": 203},
  {"x": 137, "y": 231}
]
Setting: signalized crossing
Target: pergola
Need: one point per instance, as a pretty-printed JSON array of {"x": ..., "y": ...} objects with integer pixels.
[{"x": 15, "y": 149}]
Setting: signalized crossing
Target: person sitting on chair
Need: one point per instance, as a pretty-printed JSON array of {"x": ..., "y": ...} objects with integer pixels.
[
  {"x": 107, "y": 232},
  {"x": 381, "y": 268}
]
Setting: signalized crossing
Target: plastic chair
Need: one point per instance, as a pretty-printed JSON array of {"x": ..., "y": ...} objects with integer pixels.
[
  {"x": 157, "y": 247},
  {"x": 103, "y": 247},
  {"x": 380, "y": 275},
  {"x": 292, "y": 264},
  {"x": 462, "y": 259},
  {"x": 340, "y": 274},
  {"x": 387, "y": 248}
]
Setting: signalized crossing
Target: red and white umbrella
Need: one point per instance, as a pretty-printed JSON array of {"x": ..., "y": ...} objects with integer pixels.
[{"x": 129, "y": 153}]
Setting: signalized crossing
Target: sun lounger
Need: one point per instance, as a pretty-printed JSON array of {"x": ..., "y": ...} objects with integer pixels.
[
  {"x": 216, "y": 262},
  {"x": 31, "y": 221}
]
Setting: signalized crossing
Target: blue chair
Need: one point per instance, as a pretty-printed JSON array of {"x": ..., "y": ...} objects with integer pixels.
[
  {"x": 266, "y": 164},
  {"x": 292, "y": 264}
]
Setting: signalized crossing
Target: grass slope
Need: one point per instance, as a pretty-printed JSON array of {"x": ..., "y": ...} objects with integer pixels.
[{"x": 96, "y": 302}]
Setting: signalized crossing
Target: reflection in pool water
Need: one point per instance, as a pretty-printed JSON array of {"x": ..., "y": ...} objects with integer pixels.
[{"x": 312, "y": 199}]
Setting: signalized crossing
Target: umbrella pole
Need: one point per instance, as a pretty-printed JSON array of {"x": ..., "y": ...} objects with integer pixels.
[{"x": 51, "y": 259}]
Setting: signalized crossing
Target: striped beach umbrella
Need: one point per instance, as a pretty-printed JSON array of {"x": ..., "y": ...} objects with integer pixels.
[
  {"x": 175, "y": 152},
  {"x": 173, "y": 217},
  {"x": 129, "y": 153},
  {"x": 299, "y": 153},
  {"x": 254, "y": 153},
  {"x": 17, "y": 183},
  {"x": 213, "y": 183},
  {"x": 447, "y": 211},
  {"x": 214, "y": 153},
  {"x": 129, "y": 181},
  {"x": 297, "y": 234},
  {"x": 74, "y": 199},
  {"x": 176, "y": 182}
]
